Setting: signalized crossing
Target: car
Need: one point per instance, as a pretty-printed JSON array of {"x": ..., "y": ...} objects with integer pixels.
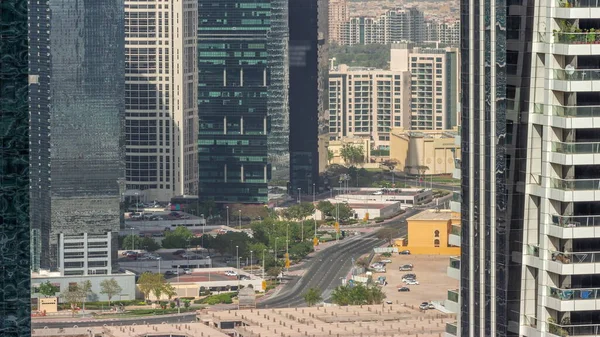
[
  {"x": 405, "y": 252},
  {"x": 412, "y": 282},
  {"x": 179, "y": 252},
  {"x": 187, "y": 271},
  {"x": 402, "y": 289},
  {"x": 388, "y": 302},
  {"x": 386, "y": 261},
  {"x": 431, "y": 306},
  {"x": 411, "y": 275},
  {"x": 125, "y": 253},
  {"x": 377, "y": 193},
  {"x": 168, "y": 272},
  {"x": 424, "y": 306},
  {"x": 405, "y": 267},
  {"x": 230, "y": 273}
]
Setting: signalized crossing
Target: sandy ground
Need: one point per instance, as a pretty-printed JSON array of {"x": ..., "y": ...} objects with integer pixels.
[{"x": 431, "y": 274}]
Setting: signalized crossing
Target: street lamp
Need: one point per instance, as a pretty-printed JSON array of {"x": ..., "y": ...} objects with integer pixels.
[
  {"x": 263, "y": 265},
  {"x": 298, "y": 194},
  {"x": 227, "y": 207},
  {"x": 237, "y": 254},
  {"x": 251, "y": 262},
  {"x": 313, "y": 193},
  {"x": 240, "y": 219},
  {"x": 132, "y": 239}
]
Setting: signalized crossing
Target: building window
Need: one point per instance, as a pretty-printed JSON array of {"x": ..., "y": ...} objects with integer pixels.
[
  {"x": 436, "y": 234},
  {"x": 436, "y": 243}
]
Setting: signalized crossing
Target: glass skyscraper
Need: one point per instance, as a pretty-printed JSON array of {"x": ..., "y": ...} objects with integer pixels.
[
  {"x": 15, "y": 303},
  {"x": 77, "y": 125},
  {"x": 234, "y": 77}
]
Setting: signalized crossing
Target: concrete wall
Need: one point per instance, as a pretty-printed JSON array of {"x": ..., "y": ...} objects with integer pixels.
[
  {"x": 422, "y": 237},
  {"x": 126, "y": 281},
  {"x": 432, "y": 150}
]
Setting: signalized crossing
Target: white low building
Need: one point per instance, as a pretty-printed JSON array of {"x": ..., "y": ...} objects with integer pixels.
[{"x": 126, "y": 281}]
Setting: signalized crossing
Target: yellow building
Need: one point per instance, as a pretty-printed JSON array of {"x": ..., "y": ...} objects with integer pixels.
[
  {"x": 428, "y": 233},
  {"x": 436, "y": 150}
]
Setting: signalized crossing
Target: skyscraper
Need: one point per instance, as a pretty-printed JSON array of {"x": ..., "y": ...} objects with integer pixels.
[
  {"x": 306, "y": 61},
  {"x": 234, "y": 79},
  {"x": 161, "y": 88},
  {"x": 337, "y": 15},
  {"x": 497, "y": 51},
  {"x": 77, "y": 126},
  {"x": 15, "y": 303}
]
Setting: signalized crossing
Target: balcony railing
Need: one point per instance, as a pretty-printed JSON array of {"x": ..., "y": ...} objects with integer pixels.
[
  {"x": 456, "y": 229},
  {"x": 575, "y": 257},
  {"x": 453, "y": 295},
  {"x": 576, "y": 38},
  {"x": 576, "y": 184},
  {"x": 576, "y": 221},
  {"x": 574, "y": 330},
  {"x": 452, "y": 328},
  {"x": 570, "y": 111},
  {"x": 533, "y": 250},
  {"x": 455, "y": 262},
  {"x": 572, "y": 294},
  {"x": 576, "y": 148},
  {"x": 578, "y": 3},
  {"x": 578, "y": 74}
]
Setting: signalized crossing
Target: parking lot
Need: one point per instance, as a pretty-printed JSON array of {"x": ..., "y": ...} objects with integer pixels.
[
  {"x": 431, "y": 274},
  {"x": 201, "y": 277}
]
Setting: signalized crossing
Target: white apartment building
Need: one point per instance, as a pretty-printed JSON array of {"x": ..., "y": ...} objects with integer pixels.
[
  {"x": 401, "y": 24},
  {"x": 449, "y": 32},
  {"x": 367, "y": 103},
  {"x": 85, "y": 254},
  {"x": 434, "y": 85},
  {"x": 161, "y": 124}
]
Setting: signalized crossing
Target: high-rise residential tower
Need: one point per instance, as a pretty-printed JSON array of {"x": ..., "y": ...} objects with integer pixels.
[
  {"x": 161, "y": 109},
  {"x": 15, "y": 303},
  {"x": 236, "y": 69},
  {"x": 337, "y": 16},
  {"x": 76, "y": 108}
]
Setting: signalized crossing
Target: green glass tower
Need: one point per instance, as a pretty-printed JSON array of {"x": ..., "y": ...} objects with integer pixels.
[{"x": 233, "y": 99}]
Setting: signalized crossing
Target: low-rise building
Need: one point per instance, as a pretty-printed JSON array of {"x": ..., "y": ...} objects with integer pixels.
[
  {"x": 125, "y": 279},
  {"x": 424, "y": 152},
  {"x": 335, "y": 148},
  {"x": 429, "y": 232}
]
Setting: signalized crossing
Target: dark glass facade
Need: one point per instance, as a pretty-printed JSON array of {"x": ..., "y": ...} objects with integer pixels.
[
  {"x": 233, "y": 80},
  {"x": 77, "y": 120},
  {"x": 304, "y": 93},
  {"x": 495, "y": 99},
  {"x": 15, "y": 308}
]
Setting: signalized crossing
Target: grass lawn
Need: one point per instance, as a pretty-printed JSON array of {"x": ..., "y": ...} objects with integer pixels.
[{"x": 146, "y": 312}]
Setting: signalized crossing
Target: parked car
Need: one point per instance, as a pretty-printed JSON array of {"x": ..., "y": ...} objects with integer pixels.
[
  {"x": 406, "y": 267},
  {"x": 412, "y": 282},
  {"x": 386, "y": 261},
  {"x": 424, "y": 306},
  {"x": 179, "y": 252},
  {"x": 431, "y": 306},
  {"x": 388, "y": 302},
  {"x": 405, "y": 252},
  {"x": 187, "y": 271},
  {"x": 402, "y": 289},
  {"x": 411, "y": 275},
  {"x": 125, "y": 253}
]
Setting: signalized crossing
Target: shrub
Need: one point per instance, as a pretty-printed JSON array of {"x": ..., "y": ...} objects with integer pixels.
[{"x": 172, "y": 305}]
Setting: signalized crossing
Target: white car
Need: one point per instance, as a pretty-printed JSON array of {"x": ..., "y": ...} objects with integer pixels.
[
  {"x": 412, "y": 282},
  {"x": 377, "y": 193},
  {"x": 187, "y": 271},
  {"x": 386, "y": 261},
  {"x": 230, "y": 273}
]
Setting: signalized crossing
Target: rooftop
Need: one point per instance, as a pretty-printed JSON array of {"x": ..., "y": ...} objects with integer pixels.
[
  {"x": 430, "y": 214},
  {"x": 167, "y": 330},
  {"x": 374, "y": 320}
]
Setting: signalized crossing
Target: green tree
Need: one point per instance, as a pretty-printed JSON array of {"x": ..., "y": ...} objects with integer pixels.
[
  {"x": 86, "y": 290},
  {"x": 131, "y": 242},
  {"x": 388, "y": 234},
  {"x": 178, "y": 238},
  {"x": 357, "y": 295},
  {"x": 149, "y": 244},
  {"x": 169, "y": 290},
  {"x": 313, "y": 296},
  {"x": 110, "y": 288},
  {"x": 345, "y": 212},
  {"x": 327, "y": 208},
  {"x": 158, "y": 285},
  {"x": 352, "y": 154},
  {"x": 329, "y": 156},
  {"x": 146, "y": 283},
  {"x": 73, "y": 295},
  {"x": 48, "y": 289},
  {"x": 274, "y": 271}
]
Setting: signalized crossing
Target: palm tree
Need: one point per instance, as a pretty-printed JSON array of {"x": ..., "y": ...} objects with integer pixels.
[{"x": 313, "y": 296}]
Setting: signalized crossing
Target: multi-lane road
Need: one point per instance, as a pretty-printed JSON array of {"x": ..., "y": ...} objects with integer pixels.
[{"x": 326, "y": 268}]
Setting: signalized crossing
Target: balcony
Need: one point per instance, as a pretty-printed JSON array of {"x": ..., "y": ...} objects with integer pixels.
[
  {"x": 575, "y": 190},
  {"x": 573, "y": 263},
  {"x": 582, "y": 299},
  {"x": 575, "y": 153},
  {"x": 575, "y": 80},
  {"x": 575, "y": 227},
  {"x": 454, "y": 237},
  {"x": 576, "y": 38},
  {"x": 574, "y": 330},
  {"x": 568, "y": 43},
  {"x": 453, "y": 269},
  {"x": 452, "y": 329},
  {"x": 578, "y": 3},
  {"x": 569, "y": 111},
  {"x": 576, "y": 9},
  {"x": 576, "y": 148}
]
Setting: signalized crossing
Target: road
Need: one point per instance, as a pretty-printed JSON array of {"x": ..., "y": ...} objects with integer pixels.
[
  {"x": 188, "y": 317},
  {"x": 325, "y": 269}
]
